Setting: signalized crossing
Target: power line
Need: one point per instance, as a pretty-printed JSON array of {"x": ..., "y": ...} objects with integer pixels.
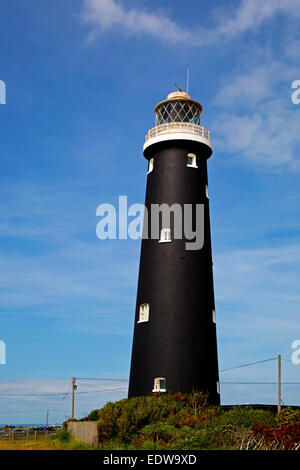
[
  {"x": 249, "y": 364},
  {"x": 99, "y": 378},
  {"x": 115, "y": 389},
  {"x": 38, "y": 394},
  {"x": 30, "y": 402},
  {"x": 34, "y": 394},
  {"x": 105, "y": 390},
  {"x": 8, "y": 397},
  {"x": 261, "y": 383},
  {"x": 67, "y": 393},
  {"x": 21, "y": 411}
]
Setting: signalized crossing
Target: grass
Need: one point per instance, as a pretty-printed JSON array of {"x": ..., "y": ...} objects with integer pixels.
[
  {"x": 39, "y": 444},
  {"x": 44, "y": 444}
]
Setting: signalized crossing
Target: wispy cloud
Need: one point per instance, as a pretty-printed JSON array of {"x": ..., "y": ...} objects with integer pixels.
[
  {"x": 263, "y": 139},
  {"x": 106, "y": 15},
  {"x": 282, "y": 261},
  {"x": 259, "y": 287},
  {"x": 256, "y": 121},
  {"x": 251, "y": 14},
  {"x": 113, "y": 15}
]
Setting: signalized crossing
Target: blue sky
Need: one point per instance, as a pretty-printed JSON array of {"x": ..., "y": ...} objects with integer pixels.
[{"x": 82, "y": 78}]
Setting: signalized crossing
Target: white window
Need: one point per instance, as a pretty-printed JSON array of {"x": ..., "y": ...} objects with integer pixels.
[
  {"x": 214, "y": 316},
  {"x": 159, "y": 384},
  {"x": 191, "y": 160},
  {"x": 165, "y": 235},
  {"x": 150, "y": 165},
  {"x": 144, "y": 313},
  {"x": 206, "y": 191},
  {"x": 218, "y": 387}
]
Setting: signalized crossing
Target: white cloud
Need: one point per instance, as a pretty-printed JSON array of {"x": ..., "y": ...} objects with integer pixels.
[
  {"x": 255, "y": 119},
  {"x": 105, "y": 15},
  {"x": 263, "y": 139},
  {"x": 257, "y": 81},
  {"x": 109, "y": 14},
  {"x": 252, "y": 13},
  {"x": 247, "y": 88}
]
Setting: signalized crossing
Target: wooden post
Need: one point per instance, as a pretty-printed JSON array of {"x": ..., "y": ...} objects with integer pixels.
[
  {"x": 35, "y": 433},
  {"x": 279, "y": 384},
  {"x": 47, "y": 434},
  {"x": 74, "y": 387}
]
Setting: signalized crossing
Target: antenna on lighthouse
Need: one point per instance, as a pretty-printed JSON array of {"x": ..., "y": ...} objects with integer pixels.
[
  {"x": 187, "y": 79},
  {"x": 178, "y": 87}
]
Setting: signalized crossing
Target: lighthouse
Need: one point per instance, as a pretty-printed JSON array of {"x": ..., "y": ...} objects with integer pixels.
[{"x": 174, "y": 341}]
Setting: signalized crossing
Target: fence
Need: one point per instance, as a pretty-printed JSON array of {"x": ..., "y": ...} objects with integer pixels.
[
  {"x": 86, "y": 431},
  {"x": 25, "y": 434}
]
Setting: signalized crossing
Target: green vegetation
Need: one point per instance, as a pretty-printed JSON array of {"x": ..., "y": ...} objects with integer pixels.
[
  {"x": 178, "y": 422},
  {"x": 63, "y": 441},
  {"x": 185, "y": 421}
]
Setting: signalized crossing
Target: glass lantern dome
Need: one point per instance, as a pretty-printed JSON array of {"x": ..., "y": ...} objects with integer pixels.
[
  {"x": 178, "y": 107},
  {"x": 177, "y": 118}
]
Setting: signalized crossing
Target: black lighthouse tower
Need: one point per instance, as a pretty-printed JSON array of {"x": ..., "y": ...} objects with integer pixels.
[{"x": 174, "y": 345}]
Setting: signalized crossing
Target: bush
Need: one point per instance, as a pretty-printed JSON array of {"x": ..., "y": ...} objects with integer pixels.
[
  {"x": 160, "y": 431},
  {"x": 282, "y": 438},
  {"x": 63, "y": 435},
  {"x": 92, "y": 416},
  {"x": 183, "y": 421},
  {"x": 125, "y": 418},
  {"x": 288, "y": 416},
  {"x": 245, "y": 417}
]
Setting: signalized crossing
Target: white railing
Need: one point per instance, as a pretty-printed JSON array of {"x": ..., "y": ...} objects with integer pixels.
[{"x": 185, "y": 127}]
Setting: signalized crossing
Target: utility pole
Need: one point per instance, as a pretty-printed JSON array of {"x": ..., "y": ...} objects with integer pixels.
[
  {"x": 47, "y": 415},
  {"x": 74, "y": 387},
  {"x": 279, "y": 384}
]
